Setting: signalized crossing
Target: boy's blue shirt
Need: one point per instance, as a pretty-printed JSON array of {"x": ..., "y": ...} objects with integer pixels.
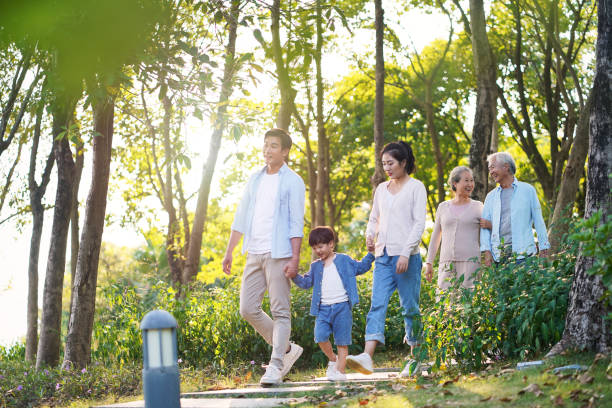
[{"x": 348, "y": 269}]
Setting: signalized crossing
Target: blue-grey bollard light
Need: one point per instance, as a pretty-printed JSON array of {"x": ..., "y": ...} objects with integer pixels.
[{"x": 160, "y": 375}]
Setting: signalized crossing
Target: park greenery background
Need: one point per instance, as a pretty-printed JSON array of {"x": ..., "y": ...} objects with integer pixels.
[{"x": 139, "y": 92}]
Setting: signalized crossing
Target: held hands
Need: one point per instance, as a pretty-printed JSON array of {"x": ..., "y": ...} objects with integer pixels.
[
  {"x": 291, "y": 268},
  {"x": 370, "y": 244},
  {"x": 429, "y": 272},
  {"x": 486, "y": 224}
]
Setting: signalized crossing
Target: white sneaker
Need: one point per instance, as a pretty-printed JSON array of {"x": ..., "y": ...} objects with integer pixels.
[
  {"x": 411, "y": 368},
  {"x": 362, "y": 363},
  {"x": 336, "y": 375},
  {"x": 331, "y": 368},
  {"x": 271, "y": 377},
  {"x": 290, "y": 358}
]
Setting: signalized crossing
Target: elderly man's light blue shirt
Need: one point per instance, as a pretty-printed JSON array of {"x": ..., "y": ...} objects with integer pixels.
[
  {"x": 288, "y": 211},
  {"x": 525, "y": 212}
]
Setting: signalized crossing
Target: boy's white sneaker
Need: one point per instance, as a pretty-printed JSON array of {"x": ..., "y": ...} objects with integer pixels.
[
  {"x": 336, "y": 375},
  {"x": 331, "y": 368},
  {"x": 361, "y": 362},
  {"x": 290, "y": 358},
  {"x": 271, "y": 377}
]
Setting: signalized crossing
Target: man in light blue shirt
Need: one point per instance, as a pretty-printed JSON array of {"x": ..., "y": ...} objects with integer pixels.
[
  {"x": 512, "y": 208},
  {"x": 270, "y": 216}
]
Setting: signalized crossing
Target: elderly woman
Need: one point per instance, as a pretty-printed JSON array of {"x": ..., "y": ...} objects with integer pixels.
[{"x": 458, "y": 223}]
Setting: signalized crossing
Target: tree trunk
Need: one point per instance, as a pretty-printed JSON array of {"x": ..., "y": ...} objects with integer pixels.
[
  {"x": 192, "y": 263},
  {"x": 571, "y": 177},
  {"x": 51, "y": 322},
  {"x": 74, "y": 214},
  {"x": 379, "y": 101},
  {"x": 172, "y": 246},
  {"x": 435, "y": 143},
  {"x": 287, "y": 93},
  {"x": 322, "y": 142},
  {"x": 586, "y": 324},
  {"x": 78, "y": 340},
  {"x": 36, "y": 194},
  {"x": 486, "y": 99}
]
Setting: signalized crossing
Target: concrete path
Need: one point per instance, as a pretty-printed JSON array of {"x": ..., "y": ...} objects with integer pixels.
[{"x": 253, "y": 395}]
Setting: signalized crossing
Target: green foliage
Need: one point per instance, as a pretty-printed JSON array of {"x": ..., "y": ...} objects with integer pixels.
[
  {"x": 22, "y": 386},
  {"x": 516, "y": 310},
  {"x": 594, "y": 236}
]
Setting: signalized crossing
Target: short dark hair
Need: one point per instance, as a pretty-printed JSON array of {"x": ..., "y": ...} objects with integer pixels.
[
  {"x": 401, "y": 151},
  {"x": 321, "y": 235},
  {"x": 282, "y": 134}
]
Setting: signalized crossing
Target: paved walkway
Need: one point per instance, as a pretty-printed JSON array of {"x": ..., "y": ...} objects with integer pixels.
[{"x": 252, "y": 395}]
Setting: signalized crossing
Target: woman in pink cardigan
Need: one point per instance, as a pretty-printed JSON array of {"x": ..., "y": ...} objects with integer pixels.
[{"x": 458, "y": 223}]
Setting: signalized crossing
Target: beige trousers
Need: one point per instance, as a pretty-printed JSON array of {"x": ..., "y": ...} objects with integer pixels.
[
  {"x": 262, "y": 273},
  {"x": 446, "y": 271}
]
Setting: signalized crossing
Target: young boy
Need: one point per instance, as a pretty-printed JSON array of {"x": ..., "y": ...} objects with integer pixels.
[{"x": 333, "y": 296}]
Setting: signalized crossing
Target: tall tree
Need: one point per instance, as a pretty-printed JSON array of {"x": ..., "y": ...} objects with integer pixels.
[
  {"x": 50, "y": 331},
  {"x": 192, "y": 262},
  {"x": 37, "y": 192},
  {"x": 587, "y": 326},
  {"x": 78, "y": 339},
  {"x": 379, "y": 102},
  {"x": 485, "y": 116}
]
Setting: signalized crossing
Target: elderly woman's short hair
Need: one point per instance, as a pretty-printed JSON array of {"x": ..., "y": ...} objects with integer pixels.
[
  {"x": 455, "y": 175},
  {"x": 503, "y": 158}
]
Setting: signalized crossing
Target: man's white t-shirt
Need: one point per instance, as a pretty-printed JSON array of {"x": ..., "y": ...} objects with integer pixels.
[
  {"x": 260, "y": 241},
  {"x": 332, "y": 289}
]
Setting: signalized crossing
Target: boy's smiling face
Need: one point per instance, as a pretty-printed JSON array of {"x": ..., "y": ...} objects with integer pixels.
[{"x": 324, "y": 251}]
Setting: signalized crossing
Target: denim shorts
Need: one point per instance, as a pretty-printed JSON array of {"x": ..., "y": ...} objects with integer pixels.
[{"x": 336, "y": 319}]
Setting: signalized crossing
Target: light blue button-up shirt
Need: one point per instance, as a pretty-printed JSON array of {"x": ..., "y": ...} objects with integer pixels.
[
  {"x": 525, "y": 212},
  {"x": 288, "y": 211}
]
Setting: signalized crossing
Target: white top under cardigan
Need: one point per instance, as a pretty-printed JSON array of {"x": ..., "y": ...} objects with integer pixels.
[{"x": 397, "y": 221}]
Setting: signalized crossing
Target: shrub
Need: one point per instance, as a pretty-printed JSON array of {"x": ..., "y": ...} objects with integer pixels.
[{"x": 514, "y": 310}]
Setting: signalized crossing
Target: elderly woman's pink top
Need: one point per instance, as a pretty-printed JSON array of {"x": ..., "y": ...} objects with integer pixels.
[{"x": 459, "y": 230}]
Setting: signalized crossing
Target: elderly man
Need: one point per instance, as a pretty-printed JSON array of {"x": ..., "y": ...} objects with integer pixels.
[{"x": 512, "y": 208}]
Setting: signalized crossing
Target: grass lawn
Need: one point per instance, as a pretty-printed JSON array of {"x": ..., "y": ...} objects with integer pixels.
[{"x": 500, "y": 385}]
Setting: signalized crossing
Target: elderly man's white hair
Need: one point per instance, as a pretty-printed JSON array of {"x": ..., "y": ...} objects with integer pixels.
[{"x": 502, "y": 158}]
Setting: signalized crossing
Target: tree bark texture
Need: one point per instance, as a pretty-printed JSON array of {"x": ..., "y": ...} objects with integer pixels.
[
  {"x": 586, "y": 326},
  {"x": 486, "y": 99},
  {"x": 287, "y": 93},
  {"x": 79, "y": 162},
  {"x": 379, "y": 100},
  {"x": 36, "y": 195},
  {"x": 78, "y": 340},
  {"x": 322, "y": 141},
  {"x": 574, "y": 170},
  {"x": 192, "y": 263},
  {"x": 50, "y": 330}
]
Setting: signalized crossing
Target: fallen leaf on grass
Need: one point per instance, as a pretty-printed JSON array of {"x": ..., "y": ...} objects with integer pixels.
[
  {"x": 585, "y": 378},
  {"x": 430, "y": 406},
  {"x": 216, "y": 387},
  {"x": 535, "y": 388},
  {"x": 507, "y": 371},
  {"x": 364, "y": 401},
  {"x": 485, "y": 399},
  {"x": 557, "y": 401},
  {"x": 505, "y": 399},
  {"x": 589, "y": 404},
  {"x": 322, "y": 404},
  {"x": 575, "y": 394}
]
